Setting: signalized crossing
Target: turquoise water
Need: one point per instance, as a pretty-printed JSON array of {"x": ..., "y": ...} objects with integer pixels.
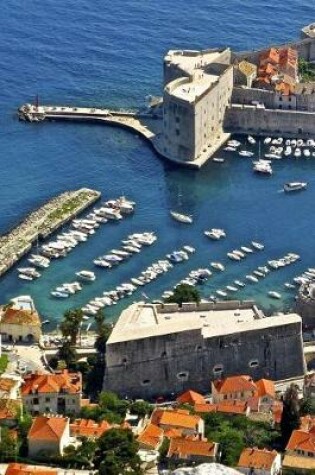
[{"x": 110, "y": 54}]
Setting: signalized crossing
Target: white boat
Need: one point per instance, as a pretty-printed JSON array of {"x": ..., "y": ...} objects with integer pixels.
[
  {"x": 251, "y": 278},
  {"x": 218, "y": 266},
  {"x": 232, "y": 288},
  {"x": 239, "y": 283},
  {"x": 110, "y": 213},
  {"x": 39, "y": 261},
  {"x": 274, "y": 295},
  {"x": 263, "y": 168},
  {"x": 306, "y": 153},
  {"x": 86, "y": 275},
  {"x": 221, "y": 293},
  {"x": 215, "y": 233},
  {"x": 189, "y": 249},
  {"x": 295, "y": 186},
  {"x": 258, "y": 273},
  {"x": 267, "y": 140},
  {"x": 257, "y": 245},
  {"x": 229, "y": 149},
  {"x": 239, "y": 253},
  {"x": 25, "y": 277},
  {"x": 218, "y": 160},
  {"x": 245, "y": 153},
  {"x": 182, "y": 218},
  {"x": 251, "y": 140},
  {"x": 59, "y": 295},
  {"x": 234, "y": 143},
  {"x": 297, "y": 152},
  {"x": 246, "y": 249},
  {"x": 29, "y": 271},
  {"x": 233, "y": 256},
  {"x": 288, "y": 285}
]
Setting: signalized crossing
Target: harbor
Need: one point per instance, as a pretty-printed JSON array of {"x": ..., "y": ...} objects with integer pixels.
[{"x": 42, "y": 223}]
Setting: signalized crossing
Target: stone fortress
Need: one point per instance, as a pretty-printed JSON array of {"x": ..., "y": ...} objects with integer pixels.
[
  {"x": 210, "y": 94},
  {"x": 156, "y": 350}
]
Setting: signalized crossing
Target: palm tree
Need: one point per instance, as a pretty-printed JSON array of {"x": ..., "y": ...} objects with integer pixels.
[{"x": 70, "y": 327}]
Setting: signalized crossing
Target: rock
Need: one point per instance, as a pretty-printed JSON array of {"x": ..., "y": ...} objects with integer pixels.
[{"x": 206, "y": 469}]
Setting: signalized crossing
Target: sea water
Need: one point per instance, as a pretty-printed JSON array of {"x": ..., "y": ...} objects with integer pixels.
[{"x": 110, "y": 54}]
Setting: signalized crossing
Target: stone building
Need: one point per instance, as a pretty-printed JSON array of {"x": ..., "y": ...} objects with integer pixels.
[
  {"x": 58, "y": 393},
  {"x": 20, "y": 322},
  {"x": 198, "y": 88},
  {"x": 162, "y": 349},
  {"x": 48, "y": 435}
]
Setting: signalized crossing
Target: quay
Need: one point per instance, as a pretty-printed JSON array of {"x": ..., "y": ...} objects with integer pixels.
[
  {"x": 43, "y": 222},
  {"x": 149, "y": 125}
]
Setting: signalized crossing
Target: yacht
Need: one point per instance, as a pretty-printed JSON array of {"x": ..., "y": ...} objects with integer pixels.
[
  {"x": 86, "y": 275},
  {"x": 222, "y": 293},
  {"x": 251, "y": 140},
  {"x": 182, "y": 218},
  {"x": 25, "y": 277},
  {"x": 59, "y": 295},
  {"x": 295, "y": 186},
  {"x": 239, "y": 253},
  {"x": 274, "y": 295},
  {"x": 218, "y": 266},
  {"x": 110, "y": 213},
  {"x": 29, "y": 271},
  {"x": 234, "y": 143},
  {"x": 215, "y": 234},
  {"x": 246, "y": 249},
  {"x": 258, "y": 245},
  {"x": 102, "y": 263},
  {"x": 239, "y": 283},
  {"x": 39, "y": 261},
  {"x": 251, "y": 278},
  {"x": 245, "y": 153},
  {"x": 189, "y": 249},
  {"x": 233, "y": 256},
  {"x": 267, "y": 140},
  {"x": 229, "y": 148},
  {"x": 263, "y": 167}
]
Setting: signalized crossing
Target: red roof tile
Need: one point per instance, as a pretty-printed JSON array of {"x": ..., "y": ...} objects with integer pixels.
[
  {"x": 184, "y": 448},
  {"x": 190, "y": 397},
  {"x": 151, "y": 436},
  {"x": 52, "y": 383},
  {"x": 88, "y": 428},
  {"x": 23, "y": 469},
  {"x": 257, "y": 458},
  {"x": 233, "y": 384},
  {"x": 47, "y": 428}
]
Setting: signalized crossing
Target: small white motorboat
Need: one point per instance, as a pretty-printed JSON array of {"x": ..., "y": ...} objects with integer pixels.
[
  {"x": 86, "y": 275},
  {"x": 257, "y": 245},
  {"x": 245, "y": 153},
  {"x": 232, "y": 288},
  {"x": 222, "y": 293},
  {"x": 251, "y": 278},
  {"x": 218, "y": 160},
  {"x": 246, "y": 249},
  {"x": 295, "y": 186},
  {"x": 274, "y": 295},
  {"x": 251, "y": 140},
  {"x": 217, "y": 266},
  {"x": 239, "y": 283},
  {"x": 182, "y": 218},
  {"x": 233, "y": 256},
  {"x": 215, "y": 233}
]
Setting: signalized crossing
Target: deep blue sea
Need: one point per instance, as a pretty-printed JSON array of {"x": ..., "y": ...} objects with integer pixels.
[{"x": 110, "y": 54}]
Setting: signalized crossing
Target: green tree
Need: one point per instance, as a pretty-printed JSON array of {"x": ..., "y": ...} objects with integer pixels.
[
  {"x": 307, "y": 407},
  {"x": 70, "y": 326},
  {"x": 291, "y": 413},
  {"x": 68, "y": 354},
  {"x": 231, "y": 445},
  {"x": 116, "y": 453},
  {"x": 103, "y": 331},
  {"x": 24, "y": 424},
  {"x": 8, "y": 446},
  {"x": 184, "y": 293}
]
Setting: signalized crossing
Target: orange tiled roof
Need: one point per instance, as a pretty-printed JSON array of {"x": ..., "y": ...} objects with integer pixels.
[
  {"x": 23, "y": 469},
  {"x": 301, "y": 440},
  {"x": 52, "y": 383},
  {"x": 172, "y": 433},
  {"x": 233, "y": 384},
  {"x": 284, "y": 88},
  {"x": 257, "y": 458},
  {"x": 266, "y": 387},
  {"x": 88, "y": 428},
  {"x": 191, "y": 397},
  {"x": 48, "y": 428},
  {"x": 204, "y": 408},
  {"x": 183, "y": 448},
  {"x": 232, "y": 407},
  {"x": 179, "y": 418},
  {"x": 9, "y": 408},
  {"x": 270, "y": 55},
  {"x": 17, "y": 316},
  {"x": 151, "y": 436}
]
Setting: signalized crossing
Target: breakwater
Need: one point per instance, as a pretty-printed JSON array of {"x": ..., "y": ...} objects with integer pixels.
[{"x": 43, "y": 222}]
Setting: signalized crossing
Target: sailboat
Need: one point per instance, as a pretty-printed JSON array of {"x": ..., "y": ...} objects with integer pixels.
[{"x": 181, "y": 217}]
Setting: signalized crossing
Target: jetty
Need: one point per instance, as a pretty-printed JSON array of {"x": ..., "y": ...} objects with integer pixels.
[{"x": 41, "y": 223}]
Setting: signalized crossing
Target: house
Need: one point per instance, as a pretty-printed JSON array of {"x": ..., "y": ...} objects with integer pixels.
[
  {"x": 88, "y": 428},
  {"x": 234, "y": 387},
  {"x": 151, "y": 437},
  {"x": 300, "y": 450},
  {"x": 179, "y": 419},
  {"x": 48, "y": 436},
  {"x": 20, "y": 325},
  {"x": 230, "y": 407},
  {"x": 265, "y": 396},
  {"x": 23, "y": 469},
  {"x": 190, "y": 397},
  {"x": 58, "y": 393},
  {"x": 255, "y": 461},
  {"x": 192, "y": 450}
]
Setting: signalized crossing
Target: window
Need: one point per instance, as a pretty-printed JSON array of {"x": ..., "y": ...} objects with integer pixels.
[
  {"x": 164, "y": 354},
  {"x": 253, "y": 363},
  {"x": 177, "y": 132},
  {"x": 47, "y": 399},
  {"x": 35, "y": 400},
  {"x": 217, "y": 369},
  {"x": 177, "y": 119},
  {"x": 183, "y": 375},
  {"x": 124, "y": 360}
]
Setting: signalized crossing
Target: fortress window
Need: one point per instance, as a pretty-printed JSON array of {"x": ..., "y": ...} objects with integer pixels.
[
  {"x": 146, "y": 382},
  {"x": 217, "y": 369},
  {"x": 183, "y": 375},
  {"x": 124, "y": 360},
  {"x": 253, "y": 363},
  {"x": 199, "y": 348},
  {"x": 164, "y": 354},
  {"x": 177, "y": 132}
]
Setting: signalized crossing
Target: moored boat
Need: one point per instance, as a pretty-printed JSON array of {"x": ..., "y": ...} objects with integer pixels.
[
  {"x": 182, "y": 218},
  {"x": 295, "y": 186}
]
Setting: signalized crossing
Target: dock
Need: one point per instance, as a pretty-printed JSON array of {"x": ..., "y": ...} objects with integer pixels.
[
  {"x": 147, "y": 125},
  {"x": 42, "y": 223}
]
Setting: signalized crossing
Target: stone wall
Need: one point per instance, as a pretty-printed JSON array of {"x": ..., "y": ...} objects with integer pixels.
[
  {"x": 172, "y": 363},
  {"x": 252, "y": 120}
]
